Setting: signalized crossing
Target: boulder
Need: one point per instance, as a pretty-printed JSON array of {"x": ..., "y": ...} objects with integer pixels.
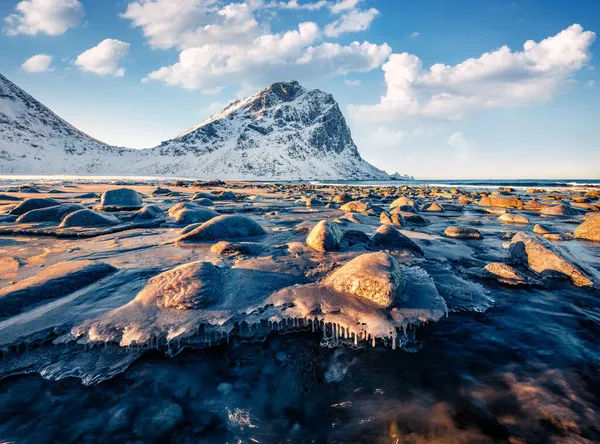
[
  {"x": 120, "y": 199},
  {"x": 207, "y": 196},
  {"x": 543, "y": 259},
  {"x": 373, "y": 276},
  {"x": 224, "y": 228},
  {"x": 342, "y": 198},
  {"x": 506, "y": 274},
  {"x": 355, "y": 237},
  {"x": 325, "y": 236},
  {"x": 404, "y": 201},
  {"x": 387, "y": 236},
  {"x": 460, "y": 232},
  {"x": 590, "y": 229},
  {"x": 9, "y": 198},
  {"x": 356, "y": 206},
  {"x": 190, "y": 286},
  {"x": 161, "y": 192},
  {"x": 33, "y": 204},
  {"x": 227, "y": 195},
  {"x": 542, "y": 229},
  {"x": 391, "y": 219},
  {"x": 434, "y": 207},
  {"x": 49, "y": 214},
  {"x": 511, "y": 218},
  {"x": 157, "y": 419},
  {"x": 149, "y": 212},
  {"x": 87, "y": 219},
  {"x": 203, "y": 201},
  {"x": 560, "y": 210},
  {"x": 226, "y": 248},
  {"x": 51, "y": 283},
  {"x": 186, "y": 214},
  {"x": 501, "y": 202}
]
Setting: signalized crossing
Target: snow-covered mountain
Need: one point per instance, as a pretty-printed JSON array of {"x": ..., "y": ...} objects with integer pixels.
[{"x": 283, "y": 132}]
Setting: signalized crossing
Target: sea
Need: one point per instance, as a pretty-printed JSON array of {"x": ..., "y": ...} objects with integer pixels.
[{"x": 517, "y": 184}]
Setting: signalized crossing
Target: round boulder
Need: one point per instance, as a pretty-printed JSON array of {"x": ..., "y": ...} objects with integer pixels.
[
  {"x": 120, "y": 199},
  {"x": 373, "y": 276},
  {"x": 87, "y": 219},
  {"x": 188, "y": 287},
  {"x": 458, "y": 232},
  {"x": 223, "y": 228},
  {"x": 33, "y": 204},
  {"x": 325, "y": 236},
  {"x": 387, "y": 236}
]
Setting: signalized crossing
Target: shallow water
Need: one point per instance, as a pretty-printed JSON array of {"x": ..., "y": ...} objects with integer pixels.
[{"x": 528, "y": 368}]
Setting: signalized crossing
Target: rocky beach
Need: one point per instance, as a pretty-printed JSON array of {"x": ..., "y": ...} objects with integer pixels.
[{"x": 214, "y": 311}]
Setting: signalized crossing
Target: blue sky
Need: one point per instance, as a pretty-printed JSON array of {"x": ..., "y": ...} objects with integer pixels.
[{"x": 434, "y": 88}]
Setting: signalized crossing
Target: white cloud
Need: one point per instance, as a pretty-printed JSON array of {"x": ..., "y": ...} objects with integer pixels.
[
  {"x": 414, "y": 35},
  {"x": 352, "y": 82},
  {"x": 268, "y": 57},
  {"x": 38, "y": 63},
  {"x": 589, "y": 84},
  {"x": 104, "y": 58},
  {"x": 352, "y": 21},
  {"x": 344, "y": 5},
  {"x": 225, "y": 45},
  {"x": 293, "y": 4},
  {"x": 189, "y": 23},
  {"x": 52, "y": 17},
  {"x": 498, "y": 79}
]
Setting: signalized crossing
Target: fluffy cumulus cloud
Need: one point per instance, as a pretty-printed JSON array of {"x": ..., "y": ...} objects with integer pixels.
[
  {"x": 498, "y": 79},
  {"x": 104, "y": 58},
  {"x": 353, "y": 21},
  {"x": 38, "y": 63},
  {"x": 52, "y": 17},
  {"x": 222, "y": 44}
]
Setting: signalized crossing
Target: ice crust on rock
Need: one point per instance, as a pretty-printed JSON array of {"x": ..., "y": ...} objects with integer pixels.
[
  {"x": 121, "y": 199},
  {"x": 223, "y": 228},
  {"x": 374, "y": 276}
]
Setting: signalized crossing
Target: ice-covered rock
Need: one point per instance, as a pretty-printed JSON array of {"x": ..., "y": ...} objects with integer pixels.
[
  {"x": 388, "y": 236},
  {"x": 460, "y": 232},
  {"x": 188, "y": 287},
  {"x": 374, "y": 276},
  {"x": 226, "y": 248},
  {"x": 51, "y": 283},
  {"x": 325, "y": 236},
  {"x": 33, "y": 203},
  {"x": 49, "y": 214},
  {"x": 511, "y": 218},
  {"x": 543, "y": 259},
  {"x": 224, "y": 228},
  {"x": 120, "y": 199},
  {"x": 87, "y": 219}
]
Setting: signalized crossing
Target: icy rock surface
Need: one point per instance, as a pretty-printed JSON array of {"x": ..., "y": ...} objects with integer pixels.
[
  {"x": 223, "y": 228},
  {"x": 53, "y": 282},
  {"x": 374, "y": 276},
  {"x": 121, "y": 198},
  {"x": 190, "y": 286},
  {"x": 87, "y": 218},
  {"x": 545, "y": 260}
]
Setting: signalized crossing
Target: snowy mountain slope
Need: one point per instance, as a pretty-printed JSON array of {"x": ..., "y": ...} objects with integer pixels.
[{"x": 282, "y": 132}]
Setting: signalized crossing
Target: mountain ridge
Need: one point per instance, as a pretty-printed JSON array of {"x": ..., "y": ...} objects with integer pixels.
[{"x": 284, "y": 132}]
